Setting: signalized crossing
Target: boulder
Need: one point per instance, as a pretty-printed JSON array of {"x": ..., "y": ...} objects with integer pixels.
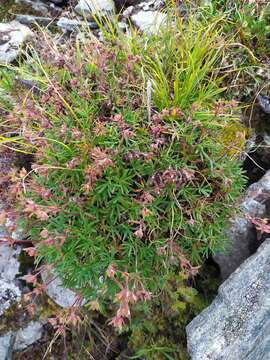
[
  {"x": 91, "y": 8},
  {"x": 12, "y": 37},
  {"x": 242, "y": 235},
  {"x": 149, "y": 21},
  {"x": 236, "y": 326}
]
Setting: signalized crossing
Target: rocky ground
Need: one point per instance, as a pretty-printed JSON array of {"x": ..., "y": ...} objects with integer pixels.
[{"x": 70, "y": 18}]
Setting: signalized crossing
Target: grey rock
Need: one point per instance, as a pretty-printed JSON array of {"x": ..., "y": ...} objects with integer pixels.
[
  {"x": 9, "y": 261},
  {"x": 20, "y": 340},
  {"x": 9, "y": 256},
  {"x": 151, "y": 5},
  {"x": 32, "y": 19},
  {"x": 60, "y": 295},
  {"x": 12, "y": 37},
  {"x": 6, "y": 346},
  {"x": 28, "y": 335},
  {"x": 9, "y": 294},
  {"x": 123, "y": 26},
  {"x": 90, "y": 8},
  {"x": 9, "y": 268},
  {"x": 128, "y": 11},
  {"x": 264, "y": 103},
  {"x": 71, "y": 25},
  {"x": 149, "y": 21},
  {"x": 236, "y": 326},
  {"x": 242, "y": 236}
]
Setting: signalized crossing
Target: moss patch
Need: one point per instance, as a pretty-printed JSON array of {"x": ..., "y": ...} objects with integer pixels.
[{"x": 4, "y": 9}]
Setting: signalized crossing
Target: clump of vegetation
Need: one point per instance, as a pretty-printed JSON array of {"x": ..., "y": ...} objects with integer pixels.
[
  {"x": 134, "y": 177},
  {"x": 4, "y": 9},
  {"x": 248, "y": 22}
]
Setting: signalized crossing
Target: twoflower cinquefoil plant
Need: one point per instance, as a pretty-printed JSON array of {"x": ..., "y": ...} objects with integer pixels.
[{"x": 130, "y": 186}]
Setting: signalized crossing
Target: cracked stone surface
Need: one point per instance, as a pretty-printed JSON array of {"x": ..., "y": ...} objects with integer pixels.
[
  {"x": 242, "y": 235},
  {"x": 236, "y": 326}
]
